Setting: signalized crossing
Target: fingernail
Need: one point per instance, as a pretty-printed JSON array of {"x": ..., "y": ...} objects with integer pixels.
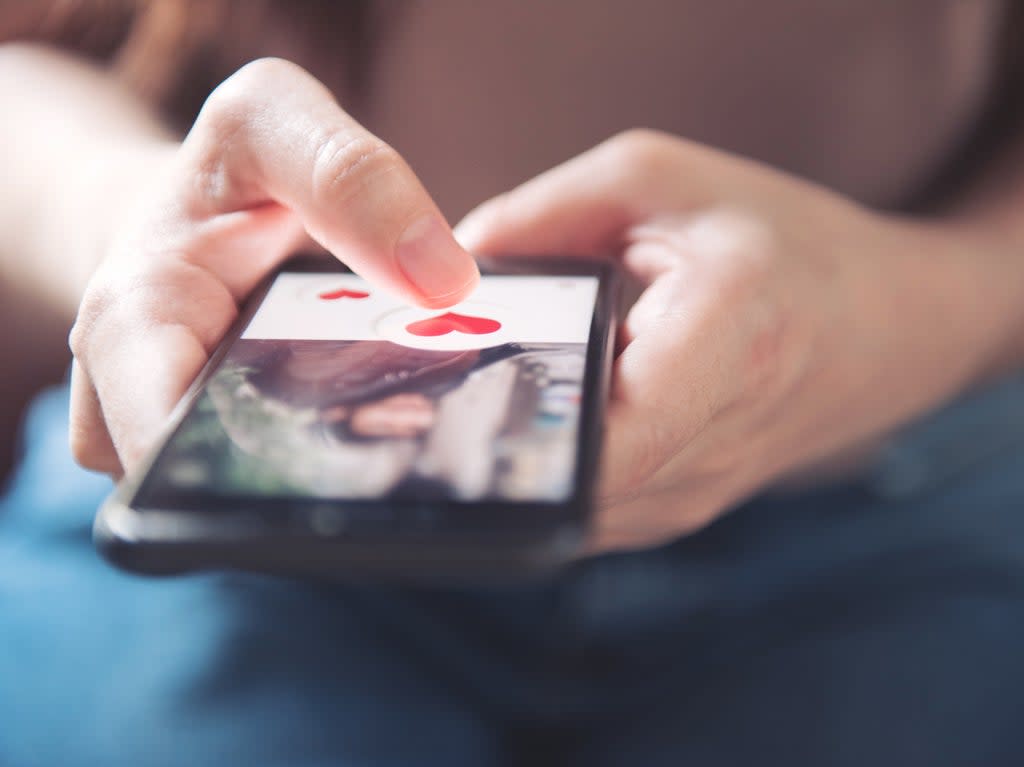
[{"x": 432, "y": 260}]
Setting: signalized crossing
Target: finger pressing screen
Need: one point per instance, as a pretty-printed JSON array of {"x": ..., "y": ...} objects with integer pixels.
[{"x": 273, "y": 134}]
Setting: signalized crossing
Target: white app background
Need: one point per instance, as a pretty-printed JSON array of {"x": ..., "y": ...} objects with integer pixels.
[{"x": 539, "y": 309}]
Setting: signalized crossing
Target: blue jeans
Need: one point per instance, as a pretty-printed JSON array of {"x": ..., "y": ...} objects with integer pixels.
[{"x": 878, "y": 622}]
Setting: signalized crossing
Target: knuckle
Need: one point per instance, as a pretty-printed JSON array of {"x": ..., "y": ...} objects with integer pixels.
[
  {"x": 142, "y": 303},
  {"x": 638, "y": 158},
  {"x": 243, "y": 90},
  {"x": 217, "y": 129},
  {"x": 77, "y": 337},
  {"x": 266, "y": 68},
  {"x": 754, "y": 300},
  {"x": 225, "y": 110},
  {"x": 226, "y": 117},
  {"x": 166, "y": 291},
  {"x": 128, "y": 303},
  {"x": 739, "y": 249},
  {"x": 346, "y": 162},
  {"x": 96, "y": 303},
  {"x": 638, "y": 139},
  {"x": 640, "y": 147}
]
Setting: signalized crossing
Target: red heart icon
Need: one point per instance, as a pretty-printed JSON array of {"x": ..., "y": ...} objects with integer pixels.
[
  {"x": 450, "y": 322},
  {"x": 334, "y": 295}
]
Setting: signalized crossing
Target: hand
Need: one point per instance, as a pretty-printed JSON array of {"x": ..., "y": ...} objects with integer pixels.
[
  {"x": 779, "y": 324},
  {"x": 271, "y": 160}
]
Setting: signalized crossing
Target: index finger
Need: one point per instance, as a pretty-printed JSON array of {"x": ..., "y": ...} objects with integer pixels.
[{"x": 273, "y": 133}]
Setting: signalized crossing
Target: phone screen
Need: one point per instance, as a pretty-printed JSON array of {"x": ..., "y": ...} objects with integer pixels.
[{"x": 336, "y": 390}]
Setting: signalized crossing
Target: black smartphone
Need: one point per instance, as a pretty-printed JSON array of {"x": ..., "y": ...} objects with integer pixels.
[{"x": 338, "y": 431}]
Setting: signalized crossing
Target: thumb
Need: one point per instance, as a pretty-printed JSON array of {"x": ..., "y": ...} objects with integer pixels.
[{"x": 587, "y": 205}]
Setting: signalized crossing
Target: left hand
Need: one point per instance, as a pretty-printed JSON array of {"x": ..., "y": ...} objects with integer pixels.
[{"x": 779, "y": 324}]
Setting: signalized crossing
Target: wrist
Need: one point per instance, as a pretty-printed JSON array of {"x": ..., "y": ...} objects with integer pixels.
[{"x": 975, "y": 278}]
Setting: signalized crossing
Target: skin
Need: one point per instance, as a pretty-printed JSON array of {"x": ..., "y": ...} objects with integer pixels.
[
  {"x": 400, "y": 415},
  {"x": 779, "y": 325},
  {"x": 271, "y": 159},
  {"x": 802, "y": 324}
]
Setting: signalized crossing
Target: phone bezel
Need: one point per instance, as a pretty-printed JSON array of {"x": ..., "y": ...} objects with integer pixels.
[{"x": 217, "y": 531}]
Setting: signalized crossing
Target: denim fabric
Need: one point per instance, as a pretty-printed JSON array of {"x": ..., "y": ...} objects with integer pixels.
[{"x": 878, "y": 622}]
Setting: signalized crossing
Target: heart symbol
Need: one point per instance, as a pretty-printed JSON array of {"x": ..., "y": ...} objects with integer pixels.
[
  {"x": 450, "y": 322},
  {"x": 334, "y": 295}
]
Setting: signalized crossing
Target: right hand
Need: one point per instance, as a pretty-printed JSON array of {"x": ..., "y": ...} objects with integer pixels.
[{"x": 271, "y": 159}]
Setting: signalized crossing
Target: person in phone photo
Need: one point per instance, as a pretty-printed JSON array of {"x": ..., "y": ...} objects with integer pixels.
[{"x": 359, "y": 418}]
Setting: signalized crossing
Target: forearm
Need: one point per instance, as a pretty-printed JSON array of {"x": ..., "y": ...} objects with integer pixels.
[{"x": 77, "y": 146}]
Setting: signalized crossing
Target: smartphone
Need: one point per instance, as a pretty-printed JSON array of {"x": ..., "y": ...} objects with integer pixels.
[{"x": 339, "y": 431}]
